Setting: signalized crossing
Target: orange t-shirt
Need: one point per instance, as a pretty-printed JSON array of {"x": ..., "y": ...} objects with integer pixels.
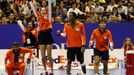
[
  {"x": 43, "y": 22},
  {"x": 101, "y": 40},
  {"x": 10, "y": 55},
  {"x": 34, "y": 32},
  {"x": 76, "y": 37}
]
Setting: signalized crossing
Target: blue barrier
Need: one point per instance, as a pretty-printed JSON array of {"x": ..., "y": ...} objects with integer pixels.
[{"x": 12, "y": 32}]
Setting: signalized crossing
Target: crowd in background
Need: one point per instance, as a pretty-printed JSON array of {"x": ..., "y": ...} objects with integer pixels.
[{"x": 87, "y": 10}]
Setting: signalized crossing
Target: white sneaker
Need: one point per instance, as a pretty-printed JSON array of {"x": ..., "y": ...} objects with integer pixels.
[{"x": 96, "y": 74}]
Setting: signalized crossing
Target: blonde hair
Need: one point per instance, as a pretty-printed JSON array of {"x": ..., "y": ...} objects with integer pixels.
[{"x": 131, "y": 43}]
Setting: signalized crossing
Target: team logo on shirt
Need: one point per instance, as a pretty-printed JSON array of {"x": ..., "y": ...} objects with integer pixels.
[
  {"x": 20, "y": 57},
  {"x": 77, "y": 29},
  {"x": 105, "y": 37},
  {"x": 21, "y": 54},
  {"x": 45, "y": 17}
]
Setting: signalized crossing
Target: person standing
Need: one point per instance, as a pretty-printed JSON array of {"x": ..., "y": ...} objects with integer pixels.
[
  {"x": 75, "y": 34},
  {"x": 102, "y": 39},
  {"x": 127, "y": 45},
  {"x": 45, "y": 38},
  {"x": 29, "y": 36}
]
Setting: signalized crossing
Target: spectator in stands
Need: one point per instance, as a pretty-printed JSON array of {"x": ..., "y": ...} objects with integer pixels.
[
  {"x": 1, "y": 14},
  {"x": 105, "y": 18},
  {"x": 38, "y": 5},
  {"x": 4, "y": 20},
  {"x": 113, "y": 19},
  {"x": 26, "y": 17},
  {"x": 61, "y": 11},
  {"x": 24, "y": 21},
  {"x": 130, "y": 9},
  {"x": 14, "y": 59},
  {"x": 122, "y": 11},
  {"x": 74, "y": 9},
  {"x": 26, "y": 10},
  {"x": 127, "y": 45},
  {"x": 101, "y": 37},
  {"x": 15, "y": 7},
  {"x": 99, "y": 9},
  {"x": 12, "y": 19},
  {"x": 127, "y": 1},
  {"x": 75, "y": 33},
  {"x": 68, "y": 4},
  {"x": 45, "y": 38},
  {"x": 58, "y": 20},
  {"x": 80, "y": 5},
  {"x": 115, "y": 16},
  {"x": 95, "y": 17},
  {"x": 4, "y": 5},
  {"x": 43, "y": 3},
  {"x": 89, "y": 19},
  {"x": 89, "y": 8},
  {"x": 111, "y": 6},
  {"x": 54, "y": 2}
]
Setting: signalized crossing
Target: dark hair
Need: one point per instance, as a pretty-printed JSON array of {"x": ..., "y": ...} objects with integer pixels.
[
  {"x": 4, "y": 16},
  {"x": 30, "y": 21},
  {"x": 115, "y": 8},
  {"x": 16, "y": 44},
  {"x": 101, "y": 20},
  {"x": 74, "y": 14}
]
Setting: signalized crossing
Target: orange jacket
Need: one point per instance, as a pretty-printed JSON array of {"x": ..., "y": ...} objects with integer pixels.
[
  {"x": 101, "y": 40},
  {"x": 76, "y": 37},
  {"x": 34, "y": 32},
  {"x": 43, "y": 22},
  {"x": 10, "y": 55}
]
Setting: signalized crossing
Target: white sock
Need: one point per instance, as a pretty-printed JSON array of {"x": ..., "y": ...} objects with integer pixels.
[
  {"x": 82, "y": 64},
  {"x": 96, "y": 74}
]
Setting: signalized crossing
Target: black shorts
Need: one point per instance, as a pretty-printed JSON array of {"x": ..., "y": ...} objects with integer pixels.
[
  {"x": 45, "y": 38},
  {"x": 72, "y": 52},
  {"x": 103, "y": 54}
]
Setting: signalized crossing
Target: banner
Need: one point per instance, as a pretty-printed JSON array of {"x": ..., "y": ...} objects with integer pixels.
[
  {"x": 60, "y": 60},
  {"x": 12, "y": 32}
]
